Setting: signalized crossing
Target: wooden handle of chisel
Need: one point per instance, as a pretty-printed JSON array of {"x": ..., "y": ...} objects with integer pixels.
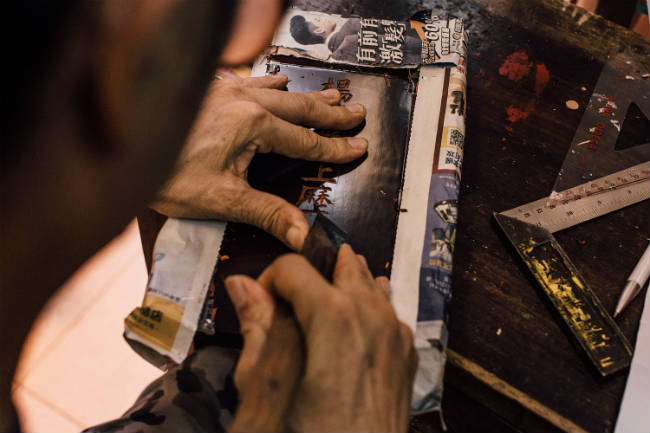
[{"x": 271, "y": 387}]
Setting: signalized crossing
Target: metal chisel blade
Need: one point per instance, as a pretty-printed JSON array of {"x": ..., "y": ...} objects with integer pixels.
[{"x": 322, "y": 245}]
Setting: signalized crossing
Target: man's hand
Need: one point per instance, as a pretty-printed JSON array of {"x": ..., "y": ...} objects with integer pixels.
[
  {"x": 239, "y": 118},
  {"x": 360, "y": 358}
]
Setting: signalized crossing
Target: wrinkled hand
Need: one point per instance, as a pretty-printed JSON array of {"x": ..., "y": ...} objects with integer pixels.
[
  {"x": 360, "y": 358},
  {"x": 239, "y": 118}
]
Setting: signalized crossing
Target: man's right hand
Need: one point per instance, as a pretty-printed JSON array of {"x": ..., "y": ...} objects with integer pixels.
[
  {"x": 360, "y": 358},
  {"x": 242, "y": 117}
]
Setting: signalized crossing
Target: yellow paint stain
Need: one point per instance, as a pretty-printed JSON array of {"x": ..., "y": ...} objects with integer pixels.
[
  {"x": 606, "y": 362},
  {"x": 563, "y": 292},
  {"x": 577, "y": 282}
]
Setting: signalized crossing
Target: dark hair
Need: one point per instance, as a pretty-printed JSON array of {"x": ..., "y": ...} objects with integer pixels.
[
  {"x": 301, "y": 31},
  {"x": 33, "y": 33}
]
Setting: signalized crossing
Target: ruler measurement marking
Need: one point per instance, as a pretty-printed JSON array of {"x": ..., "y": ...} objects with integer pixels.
[
  {"x": 634, "y": 174},
  {"x": 564, "y": 214}
]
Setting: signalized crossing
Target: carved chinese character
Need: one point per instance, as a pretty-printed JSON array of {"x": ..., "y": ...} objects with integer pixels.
[
  {"x": 317, "y": 195},
  {"x": 307, "y": 194},
  {"x": 323, "y": 198},
  {"x": 328, "y": 84},
  {"x": 343, "y": 87},
  {"x": 320, "y": 178}
]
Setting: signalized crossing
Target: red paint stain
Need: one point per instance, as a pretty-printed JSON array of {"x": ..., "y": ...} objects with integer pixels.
[
  {"x": 542, "y": 76},
  {"x": 516, "y": 66},
  {"x": 515, "y": 114}
]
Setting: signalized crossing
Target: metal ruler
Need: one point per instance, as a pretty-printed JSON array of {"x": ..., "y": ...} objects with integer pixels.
[
  {"x": 595, "y": 179},
  {"x": 587, "y": 321},
  {"x": 530, "y": 229},
  {"x": 587, "y": 201}
]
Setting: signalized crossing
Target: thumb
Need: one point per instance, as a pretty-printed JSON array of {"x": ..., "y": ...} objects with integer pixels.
[
  {"x": 274, "y": 215},
  {"x": 254, "y": 307}
]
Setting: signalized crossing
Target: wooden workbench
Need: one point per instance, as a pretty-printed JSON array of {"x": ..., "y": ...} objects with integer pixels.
[
  {"x": 509, "y": 362},
  {"x": 510, "y": 366}
]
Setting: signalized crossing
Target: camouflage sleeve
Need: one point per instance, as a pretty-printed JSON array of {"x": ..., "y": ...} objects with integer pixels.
[{"x": 197, "y": 396}]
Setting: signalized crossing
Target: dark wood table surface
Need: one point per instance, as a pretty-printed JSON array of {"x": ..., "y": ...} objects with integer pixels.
[{"x": 510, "y": 365}]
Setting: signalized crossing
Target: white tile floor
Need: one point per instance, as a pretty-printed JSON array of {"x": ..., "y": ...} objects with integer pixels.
[{"x": 76, "y": 370}]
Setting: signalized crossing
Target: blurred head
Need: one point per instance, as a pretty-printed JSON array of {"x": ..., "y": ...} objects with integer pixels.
[
  {"x": 98, "y": 98},
  {"x": 101, "y": 98},
  {"x": 314, "y": 31}
]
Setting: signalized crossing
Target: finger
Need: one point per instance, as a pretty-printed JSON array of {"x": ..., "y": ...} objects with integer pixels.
[
  {"x": 362, "y": 259},
  {"x": 299, "y": 283},
  {"x": 315, "y": 109},
  {"x": 350, "y": 273},
  {"x": 236, "y": 201},
  {"x": 384, "y": 285},
  {"x": 269, "y": 212},
  {"x": 329, "y": 96},
  {"x": 277, "y": 81},
  {"x": 285, "y": 138},
  {"x": 254, "y": 307}
]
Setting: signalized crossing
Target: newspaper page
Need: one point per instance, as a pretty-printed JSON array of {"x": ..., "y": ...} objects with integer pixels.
[
  {"x": 370, "y": 41},
  {"x": 439, "y": 235},
  {"x": 184, "y": 258}
]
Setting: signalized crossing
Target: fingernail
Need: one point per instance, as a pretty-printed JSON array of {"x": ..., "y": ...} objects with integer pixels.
[
  {"x": 226, "y": 72},
  {"x": 357, "y": 143},
  {"x": 330, "y": 93},
  {"x": 296, "y": 237},
  {"x": 236, "y": 291},
  {"x": 355, "y": 108}
]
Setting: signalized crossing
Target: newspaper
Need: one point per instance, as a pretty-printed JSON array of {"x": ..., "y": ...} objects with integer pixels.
[
  {"x": 434, "y": 294},
  {"x": 184, "y": 257},
  {"x": 370, "y": 41}
]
